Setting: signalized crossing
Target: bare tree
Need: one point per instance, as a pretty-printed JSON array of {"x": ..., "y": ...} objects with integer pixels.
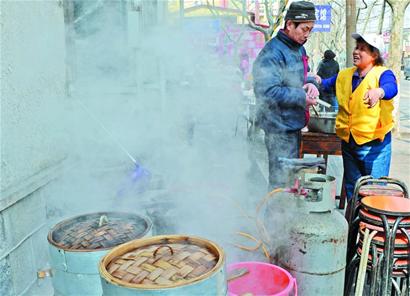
[
  {"x": 333, "y": 40},
  {"x": 274, "y": 21},
  {"x": 350, "y": 28},
  {"x": 369, "y": 12},
  {"x": 398, "y": 8},
  {"x": 380, "y": 27},
  {"x": 181, "y": 8},
  {"x": 235, "y": 39}
]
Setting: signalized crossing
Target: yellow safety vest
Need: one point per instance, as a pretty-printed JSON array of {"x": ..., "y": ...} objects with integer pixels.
[{"x": 354, "y": 116}]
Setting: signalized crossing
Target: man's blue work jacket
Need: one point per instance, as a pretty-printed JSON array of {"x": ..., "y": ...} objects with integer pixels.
[{"x": 278, "y": 75}]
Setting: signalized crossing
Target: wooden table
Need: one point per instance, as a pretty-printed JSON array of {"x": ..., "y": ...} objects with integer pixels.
[{"x": 322, "y": 144}]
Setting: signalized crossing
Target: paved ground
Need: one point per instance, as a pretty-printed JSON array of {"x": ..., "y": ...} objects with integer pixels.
[{"x": 400, "y": 167}]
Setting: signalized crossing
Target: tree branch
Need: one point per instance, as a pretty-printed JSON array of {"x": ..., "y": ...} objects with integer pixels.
[{"x": 268, "y": 14}]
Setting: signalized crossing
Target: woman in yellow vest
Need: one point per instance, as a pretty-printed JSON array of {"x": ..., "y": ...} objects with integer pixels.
[{"x": 364, "y": 121}]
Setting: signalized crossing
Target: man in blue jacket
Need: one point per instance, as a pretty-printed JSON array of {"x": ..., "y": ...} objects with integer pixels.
[{"x": 283, "y": 96}]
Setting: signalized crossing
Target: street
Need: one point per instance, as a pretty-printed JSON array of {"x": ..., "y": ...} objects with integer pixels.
[{"x": 405, "y": 104}]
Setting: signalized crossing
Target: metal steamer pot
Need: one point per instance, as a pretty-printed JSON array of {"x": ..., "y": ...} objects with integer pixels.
[
  {"x": 77, "y": 244},
  {"x": 171, "y": 265},
  {"x": 324, "y": 122}
]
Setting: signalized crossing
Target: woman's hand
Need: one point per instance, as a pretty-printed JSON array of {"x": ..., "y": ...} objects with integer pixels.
[
  {"x": 315, "y": 76},
  {"x": 318, "y": 79},
  {"x": 372, "y": 96}
]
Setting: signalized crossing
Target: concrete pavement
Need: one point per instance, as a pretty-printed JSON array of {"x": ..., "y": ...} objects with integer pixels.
[{"x": 400, "y": 167}]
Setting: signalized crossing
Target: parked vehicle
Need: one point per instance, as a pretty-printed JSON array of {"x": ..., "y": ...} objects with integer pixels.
[
  {"x": 406, "y": 68},
  {"x": 407, "y": 71}
]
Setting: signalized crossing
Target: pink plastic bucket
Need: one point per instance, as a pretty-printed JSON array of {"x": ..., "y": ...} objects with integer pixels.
[{"x": 262, "y": 279}]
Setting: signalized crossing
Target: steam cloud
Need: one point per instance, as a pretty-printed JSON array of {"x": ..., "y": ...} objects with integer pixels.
[{"x": 175, "y": 106}]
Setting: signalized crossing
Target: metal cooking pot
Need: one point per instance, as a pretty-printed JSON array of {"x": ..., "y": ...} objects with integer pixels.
[
  {"x": 324, "y": 123},
  {"x": 77, "y": 244}
]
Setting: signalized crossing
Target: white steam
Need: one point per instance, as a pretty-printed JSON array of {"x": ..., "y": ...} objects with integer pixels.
[{"x": 176, "y": 107}]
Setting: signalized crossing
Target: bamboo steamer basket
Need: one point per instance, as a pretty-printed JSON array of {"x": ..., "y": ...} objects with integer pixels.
[
  {"x": 77, "y": 244},
  {"x": 164, "y": 265}
]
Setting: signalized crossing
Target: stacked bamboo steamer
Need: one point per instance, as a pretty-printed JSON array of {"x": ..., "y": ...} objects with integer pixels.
[
  {"x": 164, "y": 265},
  {"x": 77, "y": 244}
]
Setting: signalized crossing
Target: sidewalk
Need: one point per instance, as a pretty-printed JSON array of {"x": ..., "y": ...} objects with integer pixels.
[{"x": 400, "y": 166}]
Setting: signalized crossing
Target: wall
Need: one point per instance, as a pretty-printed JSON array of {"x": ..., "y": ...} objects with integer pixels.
[{"x": 32, "y": 84}]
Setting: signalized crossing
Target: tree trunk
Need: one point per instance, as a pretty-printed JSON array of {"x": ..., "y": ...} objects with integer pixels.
[
  {"x": 350, "y": 28},
  {"x": 380, "y": 26},
  {"x": 398, "y": 8},
  {"x": 369, "y": 12},
  {"x": 181, "y": 8},
  {"x": 396, "y": 34}
]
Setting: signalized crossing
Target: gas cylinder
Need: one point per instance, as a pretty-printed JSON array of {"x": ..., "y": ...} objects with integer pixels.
[{"x": 316, "y": 250}]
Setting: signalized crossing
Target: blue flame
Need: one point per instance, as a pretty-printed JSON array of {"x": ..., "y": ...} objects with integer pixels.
[{"x": 137, "y": 181}]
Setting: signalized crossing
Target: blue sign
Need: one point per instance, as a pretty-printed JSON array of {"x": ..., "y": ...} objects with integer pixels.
[{"x": 323, "y": 18}]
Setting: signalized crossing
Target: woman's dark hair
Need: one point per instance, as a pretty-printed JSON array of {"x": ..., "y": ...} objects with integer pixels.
[
  {"x": 375, "y": 51},
  {"x": 379, "y": 60}
]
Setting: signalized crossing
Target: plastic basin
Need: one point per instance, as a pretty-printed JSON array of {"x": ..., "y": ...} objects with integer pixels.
[{"x": 262, "y": 279}]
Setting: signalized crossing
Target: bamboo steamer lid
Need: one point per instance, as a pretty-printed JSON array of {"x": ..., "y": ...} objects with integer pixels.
[
  {"x": 161, "y": 262},
  {"x": 98, "y": 231}
]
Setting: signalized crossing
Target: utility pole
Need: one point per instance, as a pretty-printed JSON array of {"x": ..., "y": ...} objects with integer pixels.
[{"x": 350, "y": 28}]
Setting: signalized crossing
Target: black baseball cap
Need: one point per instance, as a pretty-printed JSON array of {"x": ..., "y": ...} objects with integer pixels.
[{"x": 301, "y": 11}]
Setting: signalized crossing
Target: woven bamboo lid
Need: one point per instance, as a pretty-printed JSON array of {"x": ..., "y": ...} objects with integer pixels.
[
  {"x": 98, "y": 231},
  {"x": 161, "y": 262}
]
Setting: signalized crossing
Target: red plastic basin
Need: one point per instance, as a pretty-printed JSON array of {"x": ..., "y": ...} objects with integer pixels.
[{"x": 262, "y": 279}]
